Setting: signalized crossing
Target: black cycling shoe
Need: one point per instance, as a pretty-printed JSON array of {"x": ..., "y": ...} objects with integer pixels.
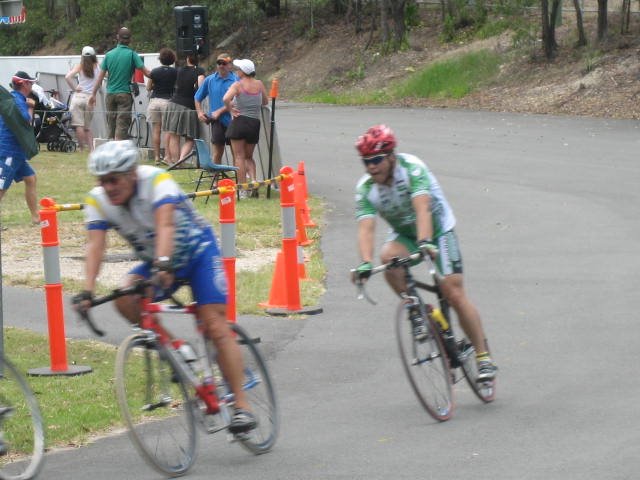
[{"x": 242, "y": 421}]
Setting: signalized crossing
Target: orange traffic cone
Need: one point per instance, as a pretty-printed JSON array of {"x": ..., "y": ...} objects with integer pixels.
[
  {"x": 302, "y": 272},
  {"x": 301, "y": 198},
  {"x": 301, "y": 233},
  {"x": 278, "y": 293}
]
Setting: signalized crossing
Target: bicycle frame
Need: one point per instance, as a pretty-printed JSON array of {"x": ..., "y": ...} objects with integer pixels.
[{"x": 151, "y": 323}]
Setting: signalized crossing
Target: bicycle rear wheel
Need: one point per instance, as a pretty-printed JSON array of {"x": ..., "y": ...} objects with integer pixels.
[
  {"x": 156, "y": 405},
  {"x": 258, "y": 388},
  {"x": 138, "y": 131},
  {"x": 21, "y": 426},
  {"x": 485, "y": 391},
  {"x": 426, "y": 365}
]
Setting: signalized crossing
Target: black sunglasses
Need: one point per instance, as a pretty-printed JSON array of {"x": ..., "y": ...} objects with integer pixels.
[
  {"x": 374, "y": 160},
  {"x": 222, "y": 62}
]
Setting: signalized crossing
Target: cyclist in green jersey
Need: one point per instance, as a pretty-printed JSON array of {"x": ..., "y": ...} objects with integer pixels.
[{"x": 401, "y": 189}]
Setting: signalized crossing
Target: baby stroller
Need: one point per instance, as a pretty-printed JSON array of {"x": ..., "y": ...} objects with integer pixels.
[{"x": 52, "y": 124}]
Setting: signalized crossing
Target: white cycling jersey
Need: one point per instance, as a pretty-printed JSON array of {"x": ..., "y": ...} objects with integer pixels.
[
  {"x": 135, "y": 222},
  {"x": 411, "y": 178}
]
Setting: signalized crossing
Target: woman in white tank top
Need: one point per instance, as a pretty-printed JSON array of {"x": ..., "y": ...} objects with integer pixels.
[{"x": 85, "y": 75}]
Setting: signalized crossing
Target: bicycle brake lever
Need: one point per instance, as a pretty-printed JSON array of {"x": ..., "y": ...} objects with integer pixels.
[
  {"x": 362, "y": 293},
  {"x": 85, "y": 316}
]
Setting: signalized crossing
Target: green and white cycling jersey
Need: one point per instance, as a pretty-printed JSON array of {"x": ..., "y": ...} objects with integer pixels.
[
  {"x": 135, "y": 222},
  {"x": 411, "y": 178}
]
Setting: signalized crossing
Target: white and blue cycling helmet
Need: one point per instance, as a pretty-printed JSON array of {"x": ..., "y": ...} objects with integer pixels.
[{"x": 114, "y": 156}]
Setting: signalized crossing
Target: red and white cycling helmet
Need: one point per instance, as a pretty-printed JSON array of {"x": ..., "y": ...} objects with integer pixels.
[{"x": 377, "y": 140}]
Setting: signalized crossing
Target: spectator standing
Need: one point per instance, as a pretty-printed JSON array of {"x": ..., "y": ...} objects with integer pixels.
[
  {"x": 161, "y": 84},
  {"x": 120, "y": 63},
  {"x": 14, "y": 165},
  {"x": 87, "y": 73},
  {"x": 244, "y": 100},
  {"x": 181, "y": 119},
  {"x": 214, "y": 87}
]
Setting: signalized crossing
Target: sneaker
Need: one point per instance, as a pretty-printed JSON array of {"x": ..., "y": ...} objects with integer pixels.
[
  {"x": 420, "y": 331},
  {"x": 242, "y": 421},
  {"x": 486, "y": 371}
]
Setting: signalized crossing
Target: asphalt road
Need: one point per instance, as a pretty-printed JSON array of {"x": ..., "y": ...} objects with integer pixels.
[{"x": 547, "y": 218}]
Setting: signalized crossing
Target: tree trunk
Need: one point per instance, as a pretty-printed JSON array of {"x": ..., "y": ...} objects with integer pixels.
[
  {"x": 625, "y": 16},
  {"x": 602, "y": 20},
  {"x": 399, "y": 29},
  {"x": 73, "y": 11},
  {"x": 384, "y": 23},
  {"x": 50, "y": 6},
  {"x": 582, "y": 39},
  {"x": 548, "y": 31}
]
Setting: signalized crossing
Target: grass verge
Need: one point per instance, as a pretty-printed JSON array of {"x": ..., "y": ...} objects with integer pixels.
[
  {"x": 451, "y": 78},
  {"x": 64, "y": 177}
]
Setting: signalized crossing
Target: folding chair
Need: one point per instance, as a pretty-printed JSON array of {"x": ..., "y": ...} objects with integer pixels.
[{"x": 211, "y": 170}]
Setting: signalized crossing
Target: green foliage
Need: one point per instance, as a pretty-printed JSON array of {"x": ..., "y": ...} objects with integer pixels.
[
  {"x": 152, "y": 23},
  {"x": 453, "y": 78},
  {"x": 494, "y": 28},
  {"x": 412, "y": 15},
  {"x": 24, "y": 38},
  {"x": 591, "y": 60}
]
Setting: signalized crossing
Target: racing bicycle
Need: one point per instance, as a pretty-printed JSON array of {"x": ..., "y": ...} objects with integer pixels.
[
  {"x": 435, "y": 363},
  {"x": 21, "y": 430},
  {"x": 166, "y": 386}
]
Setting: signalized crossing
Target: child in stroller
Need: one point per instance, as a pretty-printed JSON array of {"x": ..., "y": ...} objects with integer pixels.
[{"x": 51, "y": 122}]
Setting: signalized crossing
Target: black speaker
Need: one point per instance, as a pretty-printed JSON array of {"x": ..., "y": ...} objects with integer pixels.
[{"x": 192, "y": 30}]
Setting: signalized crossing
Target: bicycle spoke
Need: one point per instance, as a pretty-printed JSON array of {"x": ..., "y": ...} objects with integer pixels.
[
  {"x": 260, "y": 394},
  {"x": 21, "y": 423},
  {"x": 156, "y": 406},
  {"x": 426, "y": 366},
  {"x": 485, "y": 391}
]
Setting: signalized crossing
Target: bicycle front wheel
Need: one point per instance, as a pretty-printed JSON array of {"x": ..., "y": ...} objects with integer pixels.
[
  {"x": 426, "y": 365},
  {"x": 156, "y": 405},
  {"x": 258, "y": 388},
  {"x": 21, "y": 425}
]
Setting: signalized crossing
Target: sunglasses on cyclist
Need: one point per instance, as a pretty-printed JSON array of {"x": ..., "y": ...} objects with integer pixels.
[
  {"x": 374, "y": 160},
  {"x": 222, "y": 62},
  {"x": 113, "y": 179}
]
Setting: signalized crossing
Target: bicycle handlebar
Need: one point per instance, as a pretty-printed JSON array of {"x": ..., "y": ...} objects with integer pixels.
[
  {"x": 137, "y": 288},
  {"x": 396, "y": 262}
]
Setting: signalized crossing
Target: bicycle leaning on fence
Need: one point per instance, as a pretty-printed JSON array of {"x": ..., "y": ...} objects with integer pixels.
[
  {"x": 435, "y": 363},
  {"x": 21, "y": 430},
  {"x": 139, "y": 129},
  {"x": 166, "y": 386}
]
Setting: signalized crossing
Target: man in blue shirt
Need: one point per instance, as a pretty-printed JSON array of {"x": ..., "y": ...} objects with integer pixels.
[
  {"x": 214, "y": 87},
  {"x": 14, "y": 166}
]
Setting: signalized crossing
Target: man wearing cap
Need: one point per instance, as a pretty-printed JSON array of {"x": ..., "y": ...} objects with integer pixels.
[
  {"x": 214, "y": 87},
  {"x": 120, "y": 63},
  {"x": 13, "y": 159},
  {"x": 87, "y": 73}
]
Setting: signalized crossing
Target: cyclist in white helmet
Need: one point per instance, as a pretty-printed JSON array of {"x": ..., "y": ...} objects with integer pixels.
[{"x": 150, "y": 211}]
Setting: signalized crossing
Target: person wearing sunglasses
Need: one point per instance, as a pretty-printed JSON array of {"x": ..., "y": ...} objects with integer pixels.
[
  {"x": 401, "y": 189},
  {"x": 175, "y": 244},
  {"x": 214, "y": 87}
]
